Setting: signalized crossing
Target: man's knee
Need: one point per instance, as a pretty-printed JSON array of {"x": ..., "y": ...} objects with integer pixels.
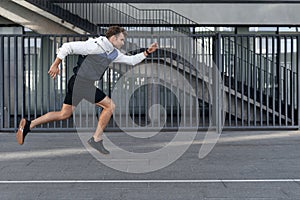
[
  {"x": 66, "y": 112},
  {"x": 65, "y": 115},
  {"x": 108, "y": 104},
  {"x": 112, "y": 106}
]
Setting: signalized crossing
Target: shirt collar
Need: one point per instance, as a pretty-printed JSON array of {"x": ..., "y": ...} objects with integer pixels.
[{"x": 105, "y": 44}]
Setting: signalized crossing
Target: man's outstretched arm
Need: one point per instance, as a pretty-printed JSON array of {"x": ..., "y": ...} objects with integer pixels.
[{"x": 137, "y": 58}]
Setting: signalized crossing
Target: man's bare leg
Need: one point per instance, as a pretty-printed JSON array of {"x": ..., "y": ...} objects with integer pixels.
[
  {"x": 25, "y": 126},
  {"x": 108, "y": 108},
  {"x": 65, "y": 112}
]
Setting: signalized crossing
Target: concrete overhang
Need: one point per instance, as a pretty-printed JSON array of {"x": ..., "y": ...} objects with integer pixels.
[{"x": 23, "y": 13}]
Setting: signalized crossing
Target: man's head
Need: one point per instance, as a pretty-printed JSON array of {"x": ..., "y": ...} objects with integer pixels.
[{"x": 116, "y": 35}]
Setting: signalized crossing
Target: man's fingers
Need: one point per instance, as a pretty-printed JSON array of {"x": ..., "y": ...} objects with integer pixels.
[
  {"x": 53, "y": 74},
  {"x": 153, "y": 47}
]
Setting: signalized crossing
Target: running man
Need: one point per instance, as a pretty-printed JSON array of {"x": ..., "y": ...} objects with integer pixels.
[{"x": 94, "y": 57}]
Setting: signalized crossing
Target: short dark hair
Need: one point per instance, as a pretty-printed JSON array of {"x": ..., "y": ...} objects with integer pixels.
[{"x": 115, "y": 30}]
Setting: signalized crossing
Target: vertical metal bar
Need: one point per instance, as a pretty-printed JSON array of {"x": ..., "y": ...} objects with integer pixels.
[
  {"x": 209, "y": 57},
  {"x": 191, "y": 52},
  {"x": 2, "y": 82},
  {"x": 127, "y": 100},
  {"x": 151, "y": 93},
  {"x": 242, "y": 63},
  {"x": 210, "y": 49},
  {"x": 216, "y": 83},
  {"x": 279, "y": 78},
  {"x": 88, "y": 12},
  {"x": 221, "y": 76},
  {"x": 267, "y": 81},
  {"x": 177, "y": 82},
  {"x": 9, "y": 108},
  {"x": 157, "y": 88},
  {"x": 140, "y": 96},
  {"x": 298, "y": 80},
  {"x": 55, "y": 81},
  {"x": 160, "y": 89},
  {"x": 229, "y": 80},
  {"x": 87, "y": 115},
  {"x": 91, "y": 13},
  {"x": 171, "y": 85},
  {"x": 203, "y": 70},
  {"x": 248, "y": 81},
  {"x": 286, "y": 81},
  {"x": 120, "y": 101},
  {"x": 137, "y": 15},
  {"x": 113, "y": 86},
  {"x": 261, "y": 81},
  {"x": 16, "y": 82},
  {"x": 42, "y": 76},
  {"x": 236, "y": 75},
  {"x": 254, "y": 79},
  {"x": 184, "y": 92},
  {"x": 148, "y": 84},
  {"x": 66, "y": 76},
  {"x": 28, "y": 77},
  {"x": 165, "y": 101},
  {"x": 48, "y": 83},
  {"x": 273, "y": 80},
  {"x": 133, "y": 95},
  {"x": 197, "y": 79},
  {"x": 138, "y": 83},
  {"x": 35, "y": 77},
  {"x": 62, "y": 75},
  {"x": 292, "y": 85},
  {"x": 109, "y": 84}
]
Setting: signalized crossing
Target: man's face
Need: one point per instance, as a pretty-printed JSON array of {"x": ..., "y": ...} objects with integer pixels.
[{"x": 117, "y": 40}]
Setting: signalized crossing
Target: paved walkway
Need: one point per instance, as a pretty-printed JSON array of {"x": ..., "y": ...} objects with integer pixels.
[{"x": 242, "y": 165}]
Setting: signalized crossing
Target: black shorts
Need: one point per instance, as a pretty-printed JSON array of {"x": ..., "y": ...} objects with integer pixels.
[{"x": 79, "y": 89}]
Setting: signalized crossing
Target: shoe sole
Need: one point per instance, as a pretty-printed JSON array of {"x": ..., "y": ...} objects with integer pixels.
[{"x": 19, "y": 135}]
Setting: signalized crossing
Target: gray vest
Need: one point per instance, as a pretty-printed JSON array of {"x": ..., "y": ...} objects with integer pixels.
[{"x": 94, "y": 66}]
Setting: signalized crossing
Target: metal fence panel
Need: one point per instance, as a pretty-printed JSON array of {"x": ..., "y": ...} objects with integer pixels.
[
  {"x": 262, "y": 72},
  {"x": 171, "y": 88}
]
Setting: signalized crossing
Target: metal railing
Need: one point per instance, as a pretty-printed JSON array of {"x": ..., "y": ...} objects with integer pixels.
[
  {"x": 134, "y": 15},
  {"x": 170, "y": 89},
  {"x": 91, "y": 16},
  {"x": 259, "y": 66}
]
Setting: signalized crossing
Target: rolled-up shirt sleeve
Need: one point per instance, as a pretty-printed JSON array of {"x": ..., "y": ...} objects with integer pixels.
[
  {"x": 130, "y": 60},
  {"x": 79, "y": 47}
]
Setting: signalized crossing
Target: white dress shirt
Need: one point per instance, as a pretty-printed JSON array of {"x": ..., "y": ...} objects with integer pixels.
[{"x": 97, "y": 46}]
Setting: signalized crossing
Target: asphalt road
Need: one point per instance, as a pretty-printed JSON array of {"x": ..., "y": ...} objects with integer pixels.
[{"x": 242, "y": 165}]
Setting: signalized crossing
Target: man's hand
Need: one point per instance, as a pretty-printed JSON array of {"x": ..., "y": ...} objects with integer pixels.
[
  {"x": 152, "y": 47},
  {"x": 54, "y": 69}
]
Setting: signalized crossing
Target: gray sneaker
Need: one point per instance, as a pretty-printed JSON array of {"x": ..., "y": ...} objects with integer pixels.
[{"x": 98, "y": 146}]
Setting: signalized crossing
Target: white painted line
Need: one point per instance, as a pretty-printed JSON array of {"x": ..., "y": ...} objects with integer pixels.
[
  {"x": 152, "y": 181},
  {"x": 17, "y": 155}
]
